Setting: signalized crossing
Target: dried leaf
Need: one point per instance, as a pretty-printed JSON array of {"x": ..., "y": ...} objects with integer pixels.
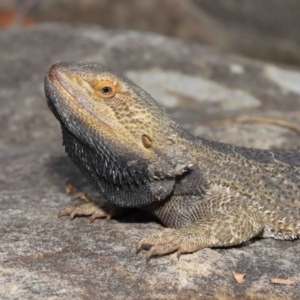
[
  {"x": 238, "y": 277},
  {"x": 282, "y": 281},
  {"x": 70, "y": 189}
]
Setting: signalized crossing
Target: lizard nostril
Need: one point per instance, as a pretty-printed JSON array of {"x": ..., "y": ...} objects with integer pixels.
[{"x": 147, "y": 142}]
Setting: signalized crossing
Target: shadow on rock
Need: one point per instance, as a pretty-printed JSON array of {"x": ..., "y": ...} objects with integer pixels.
[{"x": 61, "y": 169}]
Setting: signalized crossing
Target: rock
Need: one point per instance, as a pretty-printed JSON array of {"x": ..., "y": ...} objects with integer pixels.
[
  {"x": 262, "y": 29},
  {"x": 46, "y": 257},
  {"x": 267, "y": 30}
]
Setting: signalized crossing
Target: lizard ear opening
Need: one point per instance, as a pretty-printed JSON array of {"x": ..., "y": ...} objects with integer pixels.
[{"x": 147, "y": 142}]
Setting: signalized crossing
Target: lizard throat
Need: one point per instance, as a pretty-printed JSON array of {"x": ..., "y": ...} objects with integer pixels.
[{"x": 115, "y": 180}]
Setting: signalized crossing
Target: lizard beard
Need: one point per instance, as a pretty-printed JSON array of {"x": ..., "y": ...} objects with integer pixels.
[{"x": 116, "y": 182}]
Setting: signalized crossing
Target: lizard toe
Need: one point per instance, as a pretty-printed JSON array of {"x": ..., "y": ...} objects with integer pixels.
[
  {"x": 184, "y": 240},
  {"x": 87, "y": 209},
  {"x": 66, "y": 211},
  {"x": 162, "y": 249},
  {"x": 155, "y": 239},
  {"x": 91, "y": 209}
]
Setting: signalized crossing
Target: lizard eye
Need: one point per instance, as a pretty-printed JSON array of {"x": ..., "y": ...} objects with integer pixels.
[
  {"x": 147, "y": 142},
  {"x": 105, "y": 88}
]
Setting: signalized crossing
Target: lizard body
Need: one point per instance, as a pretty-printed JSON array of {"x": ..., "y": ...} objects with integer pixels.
[{"x": 209, "y": 194}]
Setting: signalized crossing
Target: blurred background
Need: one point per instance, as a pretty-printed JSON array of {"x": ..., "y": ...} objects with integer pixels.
[{"x": 263, "y": 29}]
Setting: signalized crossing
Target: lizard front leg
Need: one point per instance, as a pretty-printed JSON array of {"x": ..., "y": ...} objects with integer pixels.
[
  {"x": 217, "y": 221},
  {"x": 91, "y": 208}
]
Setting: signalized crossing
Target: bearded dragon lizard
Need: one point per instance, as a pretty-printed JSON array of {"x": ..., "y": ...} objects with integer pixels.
[{"x": 207, "y": 194}]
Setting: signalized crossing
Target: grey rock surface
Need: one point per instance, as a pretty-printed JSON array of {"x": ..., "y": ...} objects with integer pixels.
[{"x": 42, "y": 257}]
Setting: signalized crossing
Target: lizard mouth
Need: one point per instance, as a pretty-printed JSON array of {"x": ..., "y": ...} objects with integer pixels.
[{"x": 56, "y": 85}]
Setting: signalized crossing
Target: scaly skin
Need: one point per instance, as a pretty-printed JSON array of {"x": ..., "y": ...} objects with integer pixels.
[{"x": 209, "y": 194}]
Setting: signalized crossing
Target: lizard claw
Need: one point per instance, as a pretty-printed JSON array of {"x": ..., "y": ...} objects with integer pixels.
[
  {"x": 184, "y": 240},
  {"x": 99, "y": 213},
  {"x": 111, "y": 213},
  {"x": 67, "y": 211},
  {"x": 160, "y": 243},
  {"x": 86, "y": 209},
  {"x": 139, "y": 246},
  {"x": 178, "y": 254},
  {"x": 142, "y": 245},
  {"x": 149, "y": 254}
]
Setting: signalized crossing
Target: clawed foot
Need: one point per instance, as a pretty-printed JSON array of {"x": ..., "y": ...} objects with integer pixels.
[
  {"x": 170, "y": 240},
  {"x": 89, "y": 209}
]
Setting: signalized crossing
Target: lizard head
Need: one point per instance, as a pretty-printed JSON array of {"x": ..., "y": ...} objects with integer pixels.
[{"x": 117, "y": 120}]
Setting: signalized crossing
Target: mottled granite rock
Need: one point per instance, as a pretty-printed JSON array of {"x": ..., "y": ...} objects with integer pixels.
[{"x": 45, "y": 257}]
